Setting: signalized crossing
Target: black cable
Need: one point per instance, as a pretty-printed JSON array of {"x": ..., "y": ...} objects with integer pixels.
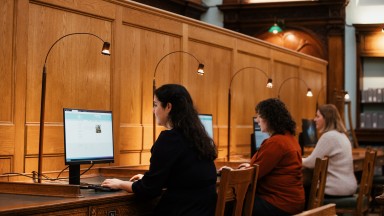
[{"x": 34, "y": 174}]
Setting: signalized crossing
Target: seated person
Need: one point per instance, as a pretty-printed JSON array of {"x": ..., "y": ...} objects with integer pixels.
[
  {"x": 182, "y": 159},
  {"x": 334, "y": 144},
  {"x": 279, "y": 188}
]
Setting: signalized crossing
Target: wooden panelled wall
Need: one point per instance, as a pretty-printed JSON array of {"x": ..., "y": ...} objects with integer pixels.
[{"x": 78, "y": 76}]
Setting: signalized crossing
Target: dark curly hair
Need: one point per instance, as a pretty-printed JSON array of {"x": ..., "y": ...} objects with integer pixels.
[
  {"x": 276, "y": 114},
  {"x": 184, "y": 118}
]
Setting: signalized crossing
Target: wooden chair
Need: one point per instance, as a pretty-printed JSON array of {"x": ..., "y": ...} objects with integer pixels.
[
  {"x": 237, "y": 186},
  {"x": 359, "y": 203},
  {"x": 325, "y": 210},
  {"x": 319, "y": 179}
]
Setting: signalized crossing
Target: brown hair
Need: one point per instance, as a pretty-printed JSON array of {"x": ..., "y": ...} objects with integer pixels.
[{"x": 332, "y": 118}]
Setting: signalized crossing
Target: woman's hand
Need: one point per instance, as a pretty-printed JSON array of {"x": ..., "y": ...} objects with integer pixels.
[
  {"x": 243, "y": 166},
  {"x": 113, "y": 183},
  {"x": 136, "y": 177}
]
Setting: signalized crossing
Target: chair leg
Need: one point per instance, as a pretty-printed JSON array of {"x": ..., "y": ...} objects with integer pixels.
[{"x": 377, "y": 189}]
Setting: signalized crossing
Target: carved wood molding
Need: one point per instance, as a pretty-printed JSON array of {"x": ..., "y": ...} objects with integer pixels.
[
  {"x": 188, "y": 8},
  {"x": 318, "y": 18}
]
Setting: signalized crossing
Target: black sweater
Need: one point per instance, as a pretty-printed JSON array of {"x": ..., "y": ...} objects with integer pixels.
[{"x": 190, "y": 182}]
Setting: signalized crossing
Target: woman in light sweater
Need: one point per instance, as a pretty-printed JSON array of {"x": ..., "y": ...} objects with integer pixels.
[{"x": 334, "y": 144}]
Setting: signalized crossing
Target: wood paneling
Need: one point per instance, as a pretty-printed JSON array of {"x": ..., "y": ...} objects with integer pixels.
[
  {"x": 78, "y": 76},
  {"x": 7, "y": 133},
  {"x": 6, "y": 53},
  {"x": 5, "y": 164},
  {"x": 53, "y": 137}
]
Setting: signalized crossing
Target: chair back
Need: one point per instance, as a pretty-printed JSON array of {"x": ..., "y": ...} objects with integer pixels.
[
  {"x": 237, "y": 186},
  {"x": 319, "y": 179},
  {"x": 325, "y": 210},
  {"x": 360, "y": 202},
  {"x": 364, "y": 195}
]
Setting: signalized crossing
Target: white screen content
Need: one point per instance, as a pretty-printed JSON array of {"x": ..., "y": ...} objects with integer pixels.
[
  {"x": 207, "y": 121},
  {"x": 259, "y": 136},
  {"x": 88, "y": 135}
]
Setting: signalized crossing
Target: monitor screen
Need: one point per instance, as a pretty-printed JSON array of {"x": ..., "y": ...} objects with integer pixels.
[
  {"x": 88, "y": 138},
  {"x": 258, "y": 137},
  {"x": 308, "y": 135},
  {"x": 207, "y": 121}
]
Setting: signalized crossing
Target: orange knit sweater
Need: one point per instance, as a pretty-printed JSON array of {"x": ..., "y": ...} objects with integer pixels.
[{"x": 280, "y": 173}]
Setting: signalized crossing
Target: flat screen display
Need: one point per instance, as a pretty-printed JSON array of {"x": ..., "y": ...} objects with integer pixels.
[
  {"x": 308, "y": 137},
  {"x": 207, "y": 121},
  {"x": 88, "y": 136},
  {"x": 259, "y": 136}
]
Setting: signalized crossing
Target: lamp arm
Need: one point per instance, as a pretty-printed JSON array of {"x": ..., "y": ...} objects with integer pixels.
[
  {"x": 154, "y": 84},
  {"x": 306, "y": 85},
  {"x": 229, "y": 107},
  {"x": 41, "y": 131},
  {"x": 318, "y": 95},
  {"x": 230, "y": 84},
  {"x": 42, "y": 105},
  {"x": 157, "y": 65},
  {"x": 229, "y": 127},
  {"x": 78, "y": 33}
]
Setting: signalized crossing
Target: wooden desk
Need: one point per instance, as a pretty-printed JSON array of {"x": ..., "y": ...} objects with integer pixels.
[
  {"x": 90, "y": 203},
  {"x": 106, "y": 203},
  {"x": 93, "y": 203}
]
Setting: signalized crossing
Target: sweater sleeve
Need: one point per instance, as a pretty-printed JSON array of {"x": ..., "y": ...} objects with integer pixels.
[{"x": 323, "y": 148}]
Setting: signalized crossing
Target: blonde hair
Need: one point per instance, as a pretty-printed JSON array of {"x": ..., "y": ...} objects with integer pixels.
[{"x": 332, "y": 118}]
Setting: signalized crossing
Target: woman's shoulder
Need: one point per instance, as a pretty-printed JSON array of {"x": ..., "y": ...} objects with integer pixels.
[
  {"x": 276, "y": 137},
  {"x": 281, "y": 139},
  {"x": 332, "y": 134},
  {"x": 169, "y": 134}
]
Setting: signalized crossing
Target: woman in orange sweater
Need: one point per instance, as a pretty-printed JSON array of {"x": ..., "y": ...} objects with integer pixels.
[{"x": 279, "y": 188}]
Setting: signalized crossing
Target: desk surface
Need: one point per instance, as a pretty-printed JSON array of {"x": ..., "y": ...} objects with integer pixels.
[
  {"x": 119, "y": 202},
  {"x": 31, "y": 204}
]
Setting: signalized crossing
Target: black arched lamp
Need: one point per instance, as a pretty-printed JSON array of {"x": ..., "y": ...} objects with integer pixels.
[
  {"x": 105, "y": 51},
  {"x": 309, "y": 91},
  {"x": 269, "y": 85},
  {"x": 200, "y": 71},
  {"x": 318, "y": 96}
]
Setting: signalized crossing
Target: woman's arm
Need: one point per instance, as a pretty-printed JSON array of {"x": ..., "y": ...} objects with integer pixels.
[{"x": 323, "y": 148}]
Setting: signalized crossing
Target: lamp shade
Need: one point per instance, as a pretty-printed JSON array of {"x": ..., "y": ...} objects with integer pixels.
[
  {"x": 275, "y": 29},
  {"x": 200, "y": 69},
  {"x": 105, "y": 49},
  {"x": 346, "y": 96},
  {"x": 309, "y": 93}
]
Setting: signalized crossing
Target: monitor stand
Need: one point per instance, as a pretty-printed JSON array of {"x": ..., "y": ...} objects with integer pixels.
[{"x": 74, "y": 174}]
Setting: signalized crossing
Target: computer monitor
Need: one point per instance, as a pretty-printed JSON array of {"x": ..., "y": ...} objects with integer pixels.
[
  {"x": 207, "y": 121},
  {"x": 308, "y": 136},
  {"x": 257, "y": 137},
  {"x": 88, "y": 139}
]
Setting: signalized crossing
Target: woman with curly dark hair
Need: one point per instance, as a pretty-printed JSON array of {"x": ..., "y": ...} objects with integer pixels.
[
  {"x": 279, "y": 186},
  {"x": 182, "y": 159}
]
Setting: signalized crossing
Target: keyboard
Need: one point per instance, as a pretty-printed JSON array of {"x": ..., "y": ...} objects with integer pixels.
[{"x": 98, "y": 188}]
